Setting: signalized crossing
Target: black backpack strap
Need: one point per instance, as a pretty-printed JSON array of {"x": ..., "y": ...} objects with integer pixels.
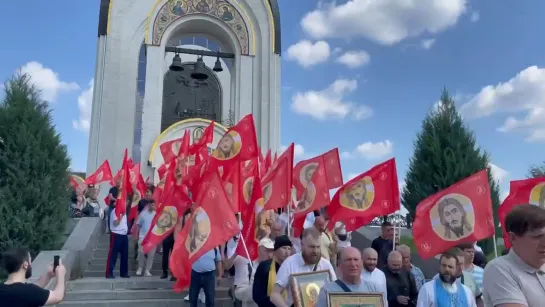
[
  {"x": 342, "y": 285},
  {"x": 315, "y": 267}
]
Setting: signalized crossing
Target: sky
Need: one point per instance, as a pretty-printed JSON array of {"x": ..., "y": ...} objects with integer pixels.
[{"x": 359, "y": 75}]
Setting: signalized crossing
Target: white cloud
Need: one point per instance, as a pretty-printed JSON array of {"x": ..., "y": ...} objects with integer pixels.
[
  {"x": 370, "y": 150},
  {"x": 47, "y": 81},
  {"x": 298, "y": 150},
  {"x": 427, "y": 43},
  {"x": 475, "y": 16},
  {"x": 385, "y": 22},
  {"x": 354, "y": 59},
  {"x": 498, "y": 173},
  {"x": 85, "y": 106},
  {"x": 330, "y": 102},
  {"x": 523, "y": 93},
  {"x": 308, "y": 54}
]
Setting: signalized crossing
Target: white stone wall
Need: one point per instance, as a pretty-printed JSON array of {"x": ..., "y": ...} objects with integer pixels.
[{"x": 255, "y": 80}]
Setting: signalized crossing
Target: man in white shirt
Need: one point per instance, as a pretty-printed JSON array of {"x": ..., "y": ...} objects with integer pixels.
[
  {"x": 119, "y": 245},
  {"x": 446, "y": 291},
  {"x": 309, "y": 260},
  {"x": 370, "y": 272},
  {"x": 327, "y": 244},
  {"x": 144, "y": 222}
]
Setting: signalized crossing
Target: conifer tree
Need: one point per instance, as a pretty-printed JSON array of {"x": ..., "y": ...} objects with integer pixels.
[
  {"x": 33, "y": 171},
  {"x": 445, "y": 152},
  {"x": 536, "y": 171}
]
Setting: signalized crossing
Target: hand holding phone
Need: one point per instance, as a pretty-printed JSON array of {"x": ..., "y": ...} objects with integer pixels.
[{"x": 56, "y": 260}]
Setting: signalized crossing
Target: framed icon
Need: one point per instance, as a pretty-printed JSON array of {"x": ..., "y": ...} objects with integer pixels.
[
  {"x": 354, "y": 299},
  {"x": 305, "y": 287}
]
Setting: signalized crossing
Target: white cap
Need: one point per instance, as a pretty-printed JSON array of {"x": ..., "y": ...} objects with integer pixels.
[{"x": 267, "y": 243}]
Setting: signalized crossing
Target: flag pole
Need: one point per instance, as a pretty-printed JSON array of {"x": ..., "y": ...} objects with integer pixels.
[
  {"x": 495, "y": 246},
  {"x": 246, "y": 249}
]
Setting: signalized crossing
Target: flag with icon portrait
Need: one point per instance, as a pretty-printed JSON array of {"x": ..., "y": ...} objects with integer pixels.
[
  {"x": 172, "y": 149},
  {"x": 368, "y": 195},
  {"x": 102, "y": 174},
  {"x": 212, "y": 223},
  {"x": 239, "y": 143},
  {"x": 277, "y": 182},
  {"x": 521, "y": 192},
  {"x": 303, "y": 170},
  {"x": 458, "y": 214}
]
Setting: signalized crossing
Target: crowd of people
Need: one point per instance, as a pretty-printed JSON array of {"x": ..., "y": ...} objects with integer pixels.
[{"x": 515, "y": 279}]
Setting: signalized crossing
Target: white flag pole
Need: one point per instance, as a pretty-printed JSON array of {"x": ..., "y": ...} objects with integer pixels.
[
  {"x": 495, "y": 247},
  {"x": 246, "y": 249}
]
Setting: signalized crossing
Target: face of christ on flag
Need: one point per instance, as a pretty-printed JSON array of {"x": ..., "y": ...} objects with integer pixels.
[
  {"x": 305, "y": 176},
  {"x": 452, "y": 217},
  {"x": 247, "y": 189},
  {"x": 229, "y": 146},
  {"x": 166, "y": 221},
  {"x": 309, "y": 194},
  {"x": 199, "y": 232},
  {"x": 537, "y": 195},
  {"x": 267, "y": 192},
  {"x": 263, "y": 220},
  {"x": 359, "y": 195}
]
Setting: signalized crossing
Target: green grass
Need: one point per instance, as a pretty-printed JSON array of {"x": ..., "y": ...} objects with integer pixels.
[{"x": 409, "y": 242}]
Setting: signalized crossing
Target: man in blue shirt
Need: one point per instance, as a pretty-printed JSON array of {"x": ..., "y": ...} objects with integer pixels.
[{"x": 203, "y": 276}]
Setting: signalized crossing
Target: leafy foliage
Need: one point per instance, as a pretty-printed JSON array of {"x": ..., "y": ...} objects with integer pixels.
[
  {"x": 33, "y": 170},
  {"x": 536, "y": 171},
  {"x": 445, "y": 152}
]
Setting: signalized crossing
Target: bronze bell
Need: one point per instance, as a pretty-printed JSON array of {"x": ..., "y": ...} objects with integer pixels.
[
  {"x": 199, "y": 71},
  {"x": 217, "y": 66},
  {"x": 176, "y": 63}
]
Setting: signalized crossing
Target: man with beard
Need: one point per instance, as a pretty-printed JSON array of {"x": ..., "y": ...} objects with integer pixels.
[
  {"x": 265, "y": 274},
  {"x": 445, "y": 291},
  {"x": 465, "y": 278},
  {"x": 309, "y": 260},
  {"x": 370, "y": 271},
  {"x": 452, "y": 216},
  {"x": 350, "y": 267},
  {"x": 15, "y": 292},
  {"x": 400, "y": 283}
]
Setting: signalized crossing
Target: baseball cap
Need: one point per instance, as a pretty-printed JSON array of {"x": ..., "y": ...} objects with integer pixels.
[{"x": 267, "y": 243}]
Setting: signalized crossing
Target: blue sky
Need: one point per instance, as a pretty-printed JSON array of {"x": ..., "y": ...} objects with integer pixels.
[{"x": 356, "y": 77}]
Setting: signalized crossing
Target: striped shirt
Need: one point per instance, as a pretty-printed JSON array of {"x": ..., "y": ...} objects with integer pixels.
[{"x": 477, "y": 272}]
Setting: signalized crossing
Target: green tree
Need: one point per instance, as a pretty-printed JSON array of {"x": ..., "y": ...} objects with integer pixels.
[
  {"x": 33, "y": 171},
  {"x": 445, "y": 152},
  {"x": 536, "y": 171}
]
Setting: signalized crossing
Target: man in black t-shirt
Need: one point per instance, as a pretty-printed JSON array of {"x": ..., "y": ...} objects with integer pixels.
[
  {"x": 15, "y": 292},
  {"x": 112, "y": 195},
  {"x": 383, "y": 244}
]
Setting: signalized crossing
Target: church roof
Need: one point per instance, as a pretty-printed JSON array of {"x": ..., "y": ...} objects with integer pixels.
[{"x": 273, "y": 4}]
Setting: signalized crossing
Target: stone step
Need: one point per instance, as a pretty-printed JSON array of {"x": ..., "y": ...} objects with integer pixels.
[
  {"x": 223, "y": 302},
  {"x": 142, "y": 294},
  {"x": 101, "y": 273},
  {"x": 98, "y": 265},
  {"x": 102, "y": 253},
  {"x": 135, "y": 283}
]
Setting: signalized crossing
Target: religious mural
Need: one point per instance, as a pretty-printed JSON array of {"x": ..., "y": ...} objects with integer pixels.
[{"x": 220, "y": 9}]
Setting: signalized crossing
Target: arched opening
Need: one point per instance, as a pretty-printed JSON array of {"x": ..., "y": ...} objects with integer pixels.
[
  {"x": 185, "y": 97},
  {"x": 139, "y": 103}
]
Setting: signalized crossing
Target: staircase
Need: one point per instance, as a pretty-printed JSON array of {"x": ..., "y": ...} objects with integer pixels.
[{"x": 97, "y": 291}]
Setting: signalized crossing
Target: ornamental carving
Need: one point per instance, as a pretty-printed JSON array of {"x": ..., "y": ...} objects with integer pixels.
[{"x": 172, "y": 10}]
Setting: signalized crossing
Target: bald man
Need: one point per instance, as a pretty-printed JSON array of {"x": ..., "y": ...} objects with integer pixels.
[
  {"x": 370, "y": 271},
  {"x": 350, "y": 268},
  {"x": 400, "y": 283}
]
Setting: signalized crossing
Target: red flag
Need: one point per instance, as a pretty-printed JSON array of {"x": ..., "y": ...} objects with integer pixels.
[
  {"x": 212, "y": 223},
  {"x": 449, "y": 217},
  {"x": 102, "y": 174},
  {"x": 172, "y": 149},
  {"x": 233, "y": 186},
  {"x": 521, "y": 192},
  {"x": 134, "y": 173},
  {"x": 370, "y": 194},
  {"x": 77, "y": 183},
  {"x": 278, "y": 181},
  {"x": 238, "y": 143},
  {"x": 166, "y": 218},
  {"x": 206, "y": 138},
  {"x": 124, "y": 187},
  {"x": 303, "y": 170},
  {"x": 139, "y": 190},
  {"x": 254, "y": 218},
  {"x": 315, "y": 194}
]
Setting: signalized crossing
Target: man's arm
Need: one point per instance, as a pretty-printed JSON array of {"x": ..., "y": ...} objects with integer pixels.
[
  {"x": 276, "y": 296},
  {"x": 57, "y": 295}
]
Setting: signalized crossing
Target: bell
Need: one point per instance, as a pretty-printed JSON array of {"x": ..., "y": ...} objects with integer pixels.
[
  {"x": 176, "y": 63},
  {"x": 199, "y": 71},
  {"x": 217, "y": 66}
]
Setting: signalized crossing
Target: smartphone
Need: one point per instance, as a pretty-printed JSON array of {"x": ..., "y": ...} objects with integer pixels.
[{"x": 56, "y": 259}]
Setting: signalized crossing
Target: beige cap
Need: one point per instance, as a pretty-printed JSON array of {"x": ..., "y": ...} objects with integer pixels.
[{"x": 267, "y": 243}]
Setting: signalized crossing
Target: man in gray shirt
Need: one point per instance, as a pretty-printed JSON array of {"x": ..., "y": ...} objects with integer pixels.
[
  {"x": 518, "y": 278},
  {"x": 350, "y": 266}
]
